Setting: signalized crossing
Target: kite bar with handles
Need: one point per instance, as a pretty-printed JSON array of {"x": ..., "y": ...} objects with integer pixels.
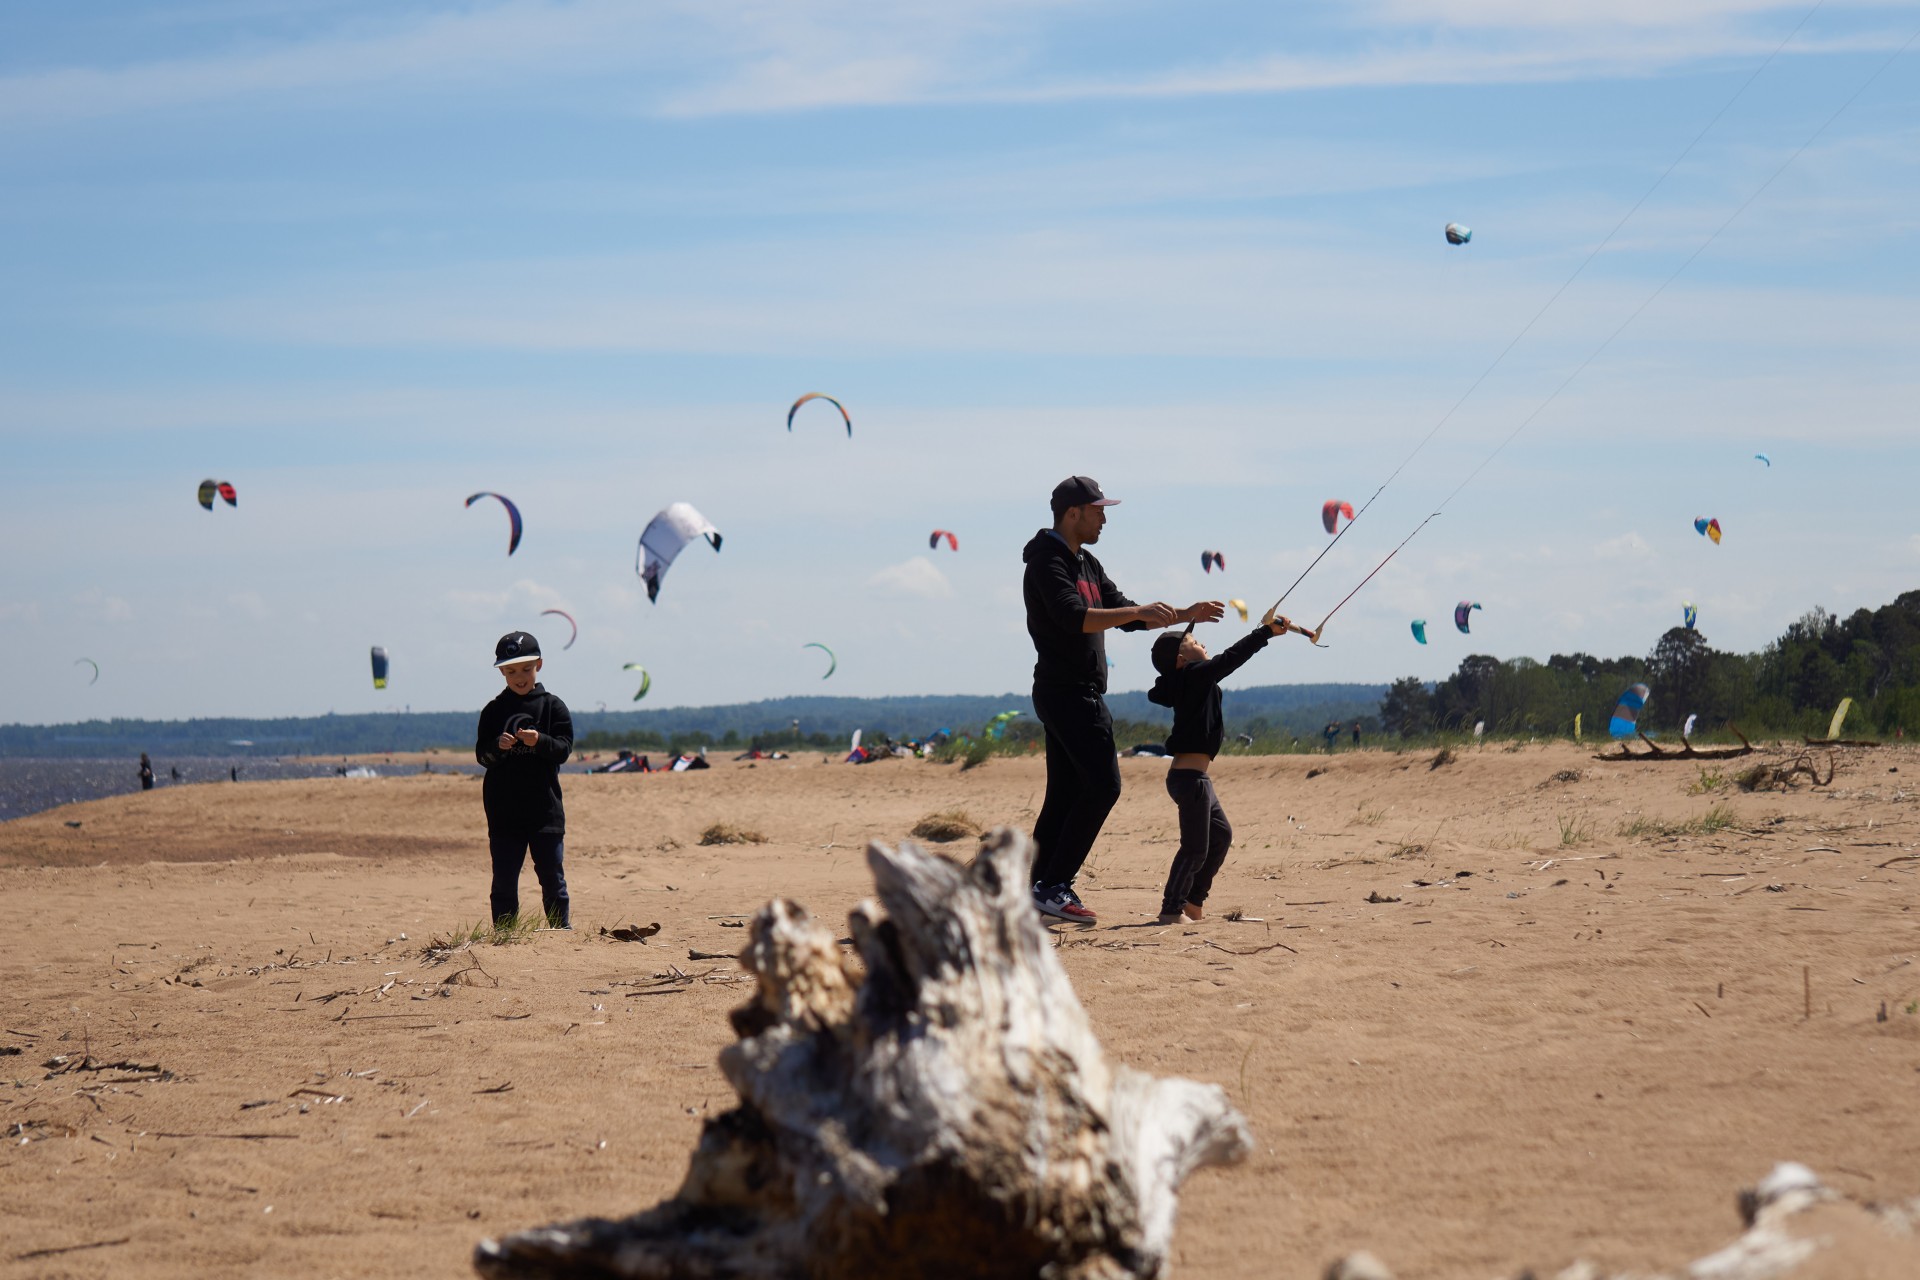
[{"x": 1290, "y": 625}]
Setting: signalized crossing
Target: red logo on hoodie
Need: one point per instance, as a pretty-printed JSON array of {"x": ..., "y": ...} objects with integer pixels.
[{"x": 1089, "y": 591}]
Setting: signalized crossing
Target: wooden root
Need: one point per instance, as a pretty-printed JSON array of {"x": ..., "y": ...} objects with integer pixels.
[
  {"x": 947, "y": 1112},
  {"x": 1687, "y": 750}
]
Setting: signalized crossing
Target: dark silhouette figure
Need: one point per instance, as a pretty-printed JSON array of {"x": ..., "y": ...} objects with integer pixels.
[{"x": 146, "y": 772}]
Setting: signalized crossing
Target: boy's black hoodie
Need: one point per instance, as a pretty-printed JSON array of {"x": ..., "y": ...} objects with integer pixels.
[
  {"x": 1193, "y": 691},
  {"x": 1059, "y": 588},
  {"x": 521, "y": 792}
]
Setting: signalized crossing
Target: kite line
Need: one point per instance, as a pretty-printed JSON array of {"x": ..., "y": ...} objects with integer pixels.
[
  {"x": 1548, "y": 304},
  {"x": 1631, "y": 317}
]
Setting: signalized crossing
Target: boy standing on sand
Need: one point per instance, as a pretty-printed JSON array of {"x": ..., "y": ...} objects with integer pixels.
[
  {"x": 525, "y": 736},
  {"x": 1190, "y": 683}
]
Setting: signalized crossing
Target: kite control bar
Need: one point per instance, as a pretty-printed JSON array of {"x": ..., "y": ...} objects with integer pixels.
[{"x": 1287, "y": 624}]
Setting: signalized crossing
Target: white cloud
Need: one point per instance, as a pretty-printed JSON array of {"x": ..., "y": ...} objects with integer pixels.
[
  {"x": 918, "y": 576},
  {"x": 1628, "y": 546}
]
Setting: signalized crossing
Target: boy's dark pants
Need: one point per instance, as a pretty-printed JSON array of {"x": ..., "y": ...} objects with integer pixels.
[
  {"x": 1083, "y": 780},
  {"x": 1205, "y": 837},
  {"x": 509, "y": 850}
]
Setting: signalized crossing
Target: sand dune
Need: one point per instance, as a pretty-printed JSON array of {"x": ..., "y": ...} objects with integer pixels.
[{"x": 1575, "y": 1024}]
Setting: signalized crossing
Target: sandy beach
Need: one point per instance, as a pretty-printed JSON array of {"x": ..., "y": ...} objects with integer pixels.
[{"x": 1586, "y": 1002}]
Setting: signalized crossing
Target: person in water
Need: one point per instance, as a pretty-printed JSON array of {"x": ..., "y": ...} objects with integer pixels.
[{"x": 1190, "y": 684}]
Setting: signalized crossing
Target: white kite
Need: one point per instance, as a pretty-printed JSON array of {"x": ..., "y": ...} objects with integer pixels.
[{"x": 665, "y": 535}]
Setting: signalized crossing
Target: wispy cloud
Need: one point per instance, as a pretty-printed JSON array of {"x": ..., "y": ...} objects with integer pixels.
[{"x": 918, "y": 576}]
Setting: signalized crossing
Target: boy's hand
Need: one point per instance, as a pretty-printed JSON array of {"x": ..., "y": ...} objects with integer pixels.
[
  {"x": 1279, "y": 624},
  {"x": 528, "y": 736},
  {"x": 506, "y": 742}
]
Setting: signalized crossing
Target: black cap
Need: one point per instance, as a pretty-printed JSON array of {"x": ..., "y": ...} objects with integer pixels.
[
  {"x": 1166, "y": 651},
  {"x": 1079, "y": 491},
  {"x": 515, "y": 646}
]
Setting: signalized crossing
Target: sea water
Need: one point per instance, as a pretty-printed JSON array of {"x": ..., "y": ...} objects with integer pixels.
[{"x": 31, "y": 784}]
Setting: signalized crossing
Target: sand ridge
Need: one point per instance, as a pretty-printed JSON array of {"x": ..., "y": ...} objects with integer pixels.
[{"x": 1576, "y": 1047}]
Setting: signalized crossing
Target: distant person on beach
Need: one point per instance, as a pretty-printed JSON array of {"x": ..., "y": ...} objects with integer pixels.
[
  {"x": 1332, "y": 734},
  {"x": 1190, "y": 683},
  {"x": 173, "y": 771},
  {"x": 233, "y": 771},
  {"x": 1071, "y": 604},
  {"x": 146, "y": 772},
  {"x": 1356, "y": 733},
  {"x": 525, "y": 735}
]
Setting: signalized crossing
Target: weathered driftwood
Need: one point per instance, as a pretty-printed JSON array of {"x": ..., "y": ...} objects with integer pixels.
[
  {"x": 945, "y": 1113},
  {"x": 1779, "y": 777},
  {"x": 1797, "y": 1229},
  {"x": 1687, "y": 750}
]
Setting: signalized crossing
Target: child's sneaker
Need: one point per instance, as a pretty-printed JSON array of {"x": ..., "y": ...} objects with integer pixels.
[{"x": 1062, "y": 903}]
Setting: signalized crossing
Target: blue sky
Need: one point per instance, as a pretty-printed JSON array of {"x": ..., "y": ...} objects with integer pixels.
[{"x": 364, "y": 259}]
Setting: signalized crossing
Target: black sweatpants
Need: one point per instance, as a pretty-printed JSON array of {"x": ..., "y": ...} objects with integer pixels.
[
  {"x": 1083, "y": 780},
  {"x": 1205, "y": 837},
  {"x": 509, "y": 850}
]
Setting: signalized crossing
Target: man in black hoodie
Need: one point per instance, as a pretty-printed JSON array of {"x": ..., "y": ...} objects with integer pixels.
[
  {"x": 525, "y": 736},
  {"x": 1071, "y": 604}
]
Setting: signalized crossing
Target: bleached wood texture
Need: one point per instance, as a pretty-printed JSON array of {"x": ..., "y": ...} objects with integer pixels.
[{"x": 937, "y": 1108}]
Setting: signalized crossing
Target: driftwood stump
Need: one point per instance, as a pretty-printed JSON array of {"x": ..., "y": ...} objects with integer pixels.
[{"x": 938, "y": 1108}]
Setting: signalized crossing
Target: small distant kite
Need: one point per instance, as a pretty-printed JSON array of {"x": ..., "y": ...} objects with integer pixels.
[
  {"x": 1707, "y": 527},
  {"x": 1689, "y": 613},
  {"x": 562, "y": 613},
  {"x": 665, "y": 534},
  {"x": 820, "y": 395},
  {"x": 1626, "y": 716},
  {"x": 209, "y": 489},
  {"x": 1420, "y": 630},
  {"x": 933, "y": 540},
  {"x": 833, "y": 663},
  {"x": 1458, "y": 234},
  {"x": 1764, "y": 458},
  {"x": 1241, "y": 607},
  {"x": 1332, "y": 509},
  {"x": 1686, "y": 730},
  {"x": 513, "y": 517},
  {"x": 1209, "y": 559},
  {"x": 997, "y": 726},
  {"x": 89, "y": 662},
  {"x": 379, "y": 667},
  {"x": 1462, "y": 614},
  {"x": 646, "y": 679}
]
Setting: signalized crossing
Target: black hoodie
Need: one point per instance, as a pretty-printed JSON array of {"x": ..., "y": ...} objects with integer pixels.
[
  {"x": 521, "y": 792},
  {"x": 1059, "y": 588},
  {"x": 1193, "y": 692}
]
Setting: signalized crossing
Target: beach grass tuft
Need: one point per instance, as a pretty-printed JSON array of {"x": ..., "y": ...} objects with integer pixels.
[
  {"x": 947, "y": 824},
  {"x": 728, "y": 833}
]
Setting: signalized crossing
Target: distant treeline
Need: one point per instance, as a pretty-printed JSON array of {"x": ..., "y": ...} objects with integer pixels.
[
  {"x": 822, "y": 722},
  {"x": 1790, "y": 687}
]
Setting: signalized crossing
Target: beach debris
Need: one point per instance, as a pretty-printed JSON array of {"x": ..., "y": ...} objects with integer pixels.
[
  {"x": 670, "y": 530},
  {"x": 728, "y": 833},
  {"x": 1779, "y": 777},
  {"x": 514, "y": 527},
  {"x": 946, "y": 825},
  {"x": 630, "y": 932},
  {"x": 1376, "y": 896},
  {"x": 1444, "y": 756},
  {"x": 820, "y": 395},
  {"x": 943, "y": 1093}
]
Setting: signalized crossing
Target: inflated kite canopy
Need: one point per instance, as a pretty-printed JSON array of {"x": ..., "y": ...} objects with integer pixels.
[
  {"x": 89, "y": 662},
  {"x": 1331, "y": 510},
  {"x": 1209, "y": 560},
  {"x": 1690, "y": 614},
  {"x": 1707, "y": 527},
  {"x": 1764, "y": 458},
  {"x": 1462, "y": 612},
  {"x": 513, "y": 517},
  {"x": 820, "y": 395},
  {"x": 1458, "y": 234},
  {"x": 1420, "y": 630},
  {"x": 646, "y": 680},
  {"x": 209, "y": 489},
  {"x": 933, "y": 540},
  {"x": 997, "y": 727},
  {"x": 379, "y": 667},
  {"x": 1240, "y": 607},
  {"x": 669, "y": 531},
  {"x": 1686, "y": 730},
  {"x": 562, "y": 613},
  {"x": 1626, "y": 716},
  {"x": 833, "y": 663}
]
